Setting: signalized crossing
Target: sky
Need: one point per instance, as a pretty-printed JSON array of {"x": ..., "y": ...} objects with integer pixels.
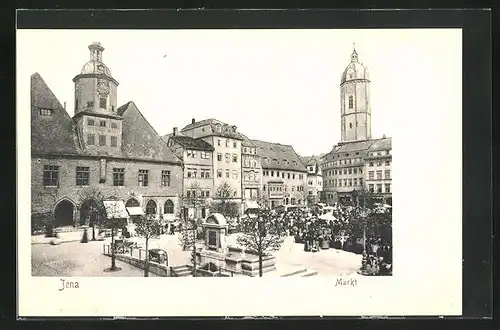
[{"x": 275, "y": 85}]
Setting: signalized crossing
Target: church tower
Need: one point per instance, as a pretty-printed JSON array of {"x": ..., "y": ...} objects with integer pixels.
[
  {"x": 355, "y": 110},
  {"x": 97, "y": 120}
]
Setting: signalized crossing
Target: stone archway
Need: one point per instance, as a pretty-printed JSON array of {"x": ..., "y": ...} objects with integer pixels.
[
  {"x": 63, "y": 214},
  {"x": 132, "y": 202}
]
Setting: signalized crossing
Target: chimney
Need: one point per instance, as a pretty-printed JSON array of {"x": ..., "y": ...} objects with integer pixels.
[
  {"x": 383, "y": 136},
  {"x": 193, "y": 121},
  {"x": 64, "y": 105},
  {"x": 175, "y": 131}
]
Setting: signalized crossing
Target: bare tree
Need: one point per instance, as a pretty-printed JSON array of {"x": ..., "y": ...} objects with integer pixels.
[
  {"x": 261, "y": 234},
  {"x": 92, "y": 198},
  {"x": 226, "y": 205},
  {"x": 187, "y": 240},
  {"x": 195, "y": 197},
  {"x": 148, "y": 228},
  {"x": 115, "y": 216}
]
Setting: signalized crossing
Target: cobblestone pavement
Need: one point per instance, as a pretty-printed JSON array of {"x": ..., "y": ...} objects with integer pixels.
[{"x": 77, "y": 259}]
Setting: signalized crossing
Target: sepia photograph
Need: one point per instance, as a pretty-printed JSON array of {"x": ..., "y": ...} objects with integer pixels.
[
  {"x": 119, "y": 192},
  {"x": 237, "y": 154}
]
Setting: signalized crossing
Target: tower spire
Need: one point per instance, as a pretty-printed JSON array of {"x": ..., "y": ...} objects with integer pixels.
[
  {"x": 96, "y": 51},
  {"x": 354, "y": 55}
]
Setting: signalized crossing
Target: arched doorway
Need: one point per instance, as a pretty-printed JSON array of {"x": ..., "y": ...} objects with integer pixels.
[
  {"x": 151, "y": 207},
  {"x": 63, "y": 214},
  {"x": 132, "y": 203}
]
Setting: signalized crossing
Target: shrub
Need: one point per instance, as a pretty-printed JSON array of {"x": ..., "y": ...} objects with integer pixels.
[{"x": 40, "y": 222}]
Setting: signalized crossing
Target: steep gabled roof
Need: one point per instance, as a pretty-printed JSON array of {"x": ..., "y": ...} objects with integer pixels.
[
  {"x": 278, "y": 156},
  {"x": 355, "y": 146},
  {"x": 215, "y": 128},
  {"x": 53, "y": 134},
  {"x": 246, "y": 141},
  {"x": 139, "y": 138},
  {"x": 188, "y": 142}
]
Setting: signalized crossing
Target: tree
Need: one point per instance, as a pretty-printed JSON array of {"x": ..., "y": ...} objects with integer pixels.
[
  {"x": 187, "y": 240},
  {"x": 92, "y": 198},
  {"x": 115, "y": 216},
  {"x": 226, "y": 205},
  {"x": 261, "y": 234},
  {"x": 195, "y": 197},
  {"x": 148, "y": 228}
]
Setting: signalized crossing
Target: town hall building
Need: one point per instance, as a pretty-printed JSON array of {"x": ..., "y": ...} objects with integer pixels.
[{"x": 103, "y": 148}]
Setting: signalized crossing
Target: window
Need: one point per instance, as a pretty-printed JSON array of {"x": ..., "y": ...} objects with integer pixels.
[
  {"x": 349, "y": 171},
  {"x": 235, "y": 144},
  {"x": 207, "y": 193},
  {"x": 168, "y": 208},
  {"x": 387, "y": 187},
  {"x": 340, "y": 183},
  {"x": 151, "y": 207},
  {"x": 82, "y": 176},
  {"x": 277, "y": 174},
  {"x": 360, "y": 170},
  {"x": 282, "y": 175},
  {"x": 256, "y": 178},
  {"x": 350, "y": 182},
  {"x": 371, "y": 164},
  {"x": 188, "y": 193},
  {"x": 218, "y": 143},
  {"x": 219, "y": 173},
  {"x": 379, "y": 163},
  {"x": 379, "y": 188},
  {"x": 114, "y": 141},
  {"x": 90, "y": 104},
  {"x": 143, "y": 178},
  {"x": 191, "y": 153},
  {"x": 245, "y": 162},
  {"x": 263, "y": 187},
  {"x": 371, "y": 188},
  {"x": 102, "y": 140},
  {"x": 219, "y": 157},
  {"x": 235, "y": 158},
  {"x": 165, "y": 179},
  {"x": 350, "y": 125},
  {"x": 90, "y": 139},
  {"x": 288, "y": 175},
  {"x": 227, "y": 143},
  {"x": 360, "y": 181},
  {"x": 355, "y": 170},
  {"x": 228, "y": 157},
  {"x": 272, "y": 173},
  {"x": 46, "y": 112},
  {"x": 102, "y": 123},
  {"x": 205, "y": 173},
  {"x": 118, "y": 177},
  {"x": 379, "y": 175},
  {"x": 103, "y": 102},
  {"x": 350, "y": 102},
  {"x": 370, "y": 175},
  {"x": 387, "y": 174},
  {"x": 51, "y": 175},
  {"x": 90, "y": 122},
  {"x": 345, "y": 170},
  {"x": 235, "y": 174},
  {"x": 227, "y": 174},
  {"x": 387, "y": 162},
  {"x": 204, "y": 155},
  {"x": 191, "y": 173},
  {"x": 293, "y": 176}
]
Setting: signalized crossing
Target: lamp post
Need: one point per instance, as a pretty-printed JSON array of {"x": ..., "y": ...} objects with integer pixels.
[{"x": 364, "y": 261}]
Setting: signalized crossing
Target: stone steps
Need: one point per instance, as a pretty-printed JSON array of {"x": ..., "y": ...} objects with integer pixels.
[{"x": 182, "y": 271}]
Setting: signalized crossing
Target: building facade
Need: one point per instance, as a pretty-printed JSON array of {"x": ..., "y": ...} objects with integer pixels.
[
  {"x": 357, "y": 162},
  {"x": 314, "y": 179},
  {"x": 102, "y": 148},
  {"x": 251, "y": 168},
  {"x": 284, "y": 176},
  {"x": 227, "y": 168},
  {"x": 198, "y": 179}
]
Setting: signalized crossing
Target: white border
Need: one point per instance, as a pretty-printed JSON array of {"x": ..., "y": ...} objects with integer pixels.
[{"x": 427, "y": 158}]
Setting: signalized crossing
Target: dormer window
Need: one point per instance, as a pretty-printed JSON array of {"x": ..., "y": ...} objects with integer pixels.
[{"x": 46, "y": 112}]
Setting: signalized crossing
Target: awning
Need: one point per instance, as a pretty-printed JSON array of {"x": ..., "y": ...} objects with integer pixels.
[
  {"x": 251, "y": 205},
  {"x": 135, "y": 210},
  {"x": 115, "y": 210}
]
